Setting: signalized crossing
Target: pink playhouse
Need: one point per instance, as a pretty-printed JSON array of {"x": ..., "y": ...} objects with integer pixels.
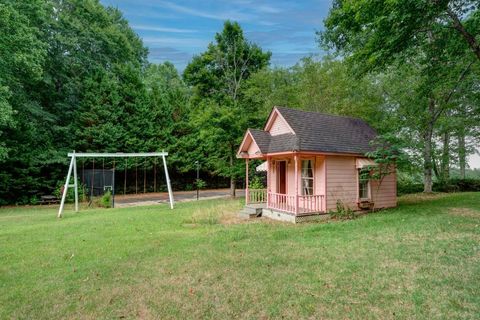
[{"x": 313, "y": 162}]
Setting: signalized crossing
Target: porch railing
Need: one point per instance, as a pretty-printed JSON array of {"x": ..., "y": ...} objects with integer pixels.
[
  {"x": 311, "y": 203},
  {"x": 287, "y": 203},
  {"x": 282, "y": 202},
  {"x": 257, "y": 195}
]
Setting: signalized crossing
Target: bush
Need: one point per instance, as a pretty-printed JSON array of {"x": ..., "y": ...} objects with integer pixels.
[
  {"x": 256, "y": 183},
  {"x": 407, "y": 187},
  {"x": 450, "y": 185},
  {"x": 457, "y": 185},
  {"x": 106, "y": 200},
  {"x": 343, "y": 212},
  {"x": 82, "y": 197},
  {"x": 200, "y": 184}
]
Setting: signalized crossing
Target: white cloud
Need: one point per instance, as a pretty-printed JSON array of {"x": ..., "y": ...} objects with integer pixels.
[
  {"x": 224, "y": 15},
  {"x": 172, "y": 42},
  {"x": 162, "y": 29}
]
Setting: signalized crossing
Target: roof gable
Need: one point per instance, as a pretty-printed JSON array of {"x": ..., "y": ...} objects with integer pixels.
[{"x": 276, "y": 124}]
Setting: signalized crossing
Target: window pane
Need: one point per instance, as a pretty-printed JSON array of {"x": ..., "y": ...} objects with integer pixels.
[
  {"x": 307, "y": 169},
  {"x": 363, "y": 189}
]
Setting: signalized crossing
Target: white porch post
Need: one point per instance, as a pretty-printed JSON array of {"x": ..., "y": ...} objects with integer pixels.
[
  {"x": 296, "y": 183},
  {"x": 268, "y": 182},
  {"x": 246, "y": 181}
]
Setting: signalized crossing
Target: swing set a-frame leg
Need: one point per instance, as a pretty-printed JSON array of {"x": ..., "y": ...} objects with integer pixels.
[{"x": 65, "y": 188}]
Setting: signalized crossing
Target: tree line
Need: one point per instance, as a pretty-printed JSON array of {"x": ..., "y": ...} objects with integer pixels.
[{"x": 75, "y": 76}]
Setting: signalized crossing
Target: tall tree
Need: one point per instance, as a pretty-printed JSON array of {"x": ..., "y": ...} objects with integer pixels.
[
  {"x": 218, "y": 77},
  {"x": 375, "y": 34}
]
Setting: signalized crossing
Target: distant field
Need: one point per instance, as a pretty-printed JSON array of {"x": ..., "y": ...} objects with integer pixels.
[{"x": 420, "y": 260}]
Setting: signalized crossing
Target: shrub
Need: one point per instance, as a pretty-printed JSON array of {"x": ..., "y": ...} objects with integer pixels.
[
  {"x": 407, "y": 187},
  {"x": 82, "y": 197},
  {"x": 106, "y": 200},
  {"x": 200, "y": 184},
  {"x": 457, "y": 185},
  {"x": 256, "y": 183},
  {"x": 450, "y": 185},
  {"x": 343, "y": 212},
  {"x": 33, "y": 200}
]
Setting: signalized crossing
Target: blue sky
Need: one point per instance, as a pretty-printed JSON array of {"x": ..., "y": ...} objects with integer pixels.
[{"x": 177, "y": 30}]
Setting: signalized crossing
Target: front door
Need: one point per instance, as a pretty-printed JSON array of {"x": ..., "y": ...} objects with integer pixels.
[{"x": 282, "y": 177}]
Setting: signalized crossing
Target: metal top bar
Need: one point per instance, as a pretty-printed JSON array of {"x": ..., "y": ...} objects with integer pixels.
[{"x": 117, "y": 154}]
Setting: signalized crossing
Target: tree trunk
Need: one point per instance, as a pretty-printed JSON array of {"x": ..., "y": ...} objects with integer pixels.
[
  {"x": 233, "y": 185},
  {"x": 461, "y": 153},
  {"x": 427, "y": 149},
  {"x": 445, "y": 174},
  {"x": 472, "y": 42}
]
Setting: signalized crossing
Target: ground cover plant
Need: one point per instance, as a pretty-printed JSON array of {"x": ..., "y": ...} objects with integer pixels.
[{"x": 420, "y": 260}]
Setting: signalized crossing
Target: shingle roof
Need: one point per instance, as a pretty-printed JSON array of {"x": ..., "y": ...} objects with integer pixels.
[{"x": 317, "y": 132}]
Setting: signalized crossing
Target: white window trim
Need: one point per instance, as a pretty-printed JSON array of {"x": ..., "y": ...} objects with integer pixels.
[
  {"x": 312, "y": 178},
  {"x": 369, "y": 186}
]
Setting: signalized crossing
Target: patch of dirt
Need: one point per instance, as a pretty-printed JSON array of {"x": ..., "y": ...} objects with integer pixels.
[{"x": 464, "y": 212}]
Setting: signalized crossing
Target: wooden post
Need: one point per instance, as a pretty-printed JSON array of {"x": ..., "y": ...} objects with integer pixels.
[
  {"x": 75, "y": 183},
  {"x": 246, "y": 181},
  {"x": 169, "y": 187},
  {"x": 65, "y": 188},
  {"x": 296, "y": 183},
  {"x": 268, "y": 181}
]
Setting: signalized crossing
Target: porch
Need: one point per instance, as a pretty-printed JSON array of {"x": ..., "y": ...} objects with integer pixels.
[{"x": 292, "y": 204}]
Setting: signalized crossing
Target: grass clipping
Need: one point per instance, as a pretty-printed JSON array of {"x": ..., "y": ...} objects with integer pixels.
[{"x": 225, "y": 213}]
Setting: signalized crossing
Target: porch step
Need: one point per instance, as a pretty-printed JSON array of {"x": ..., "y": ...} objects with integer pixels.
[{"x": 252, "y": 211}]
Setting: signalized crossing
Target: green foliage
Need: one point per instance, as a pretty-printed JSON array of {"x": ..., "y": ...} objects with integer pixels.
[
  {"x": 220, "y": 116},
  {"x": 106, "y": 200},
  {"x": 342, "y": 212},
  {"x": 457, "y": 185},
  {"x": 375, "y": 33},
  {"x": 200, "y": 184},
  {"x": 256, "y": 183},
  {"x": 431, "y": 54},
  {"x": 70, "y": 198},
  {"x": 408, "y": 187}
]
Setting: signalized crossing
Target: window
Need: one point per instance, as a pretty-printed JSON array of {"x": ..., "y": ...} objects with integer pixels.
[
  {"x": 307, "y": 177},
  {"x": 363, "y": 185}
]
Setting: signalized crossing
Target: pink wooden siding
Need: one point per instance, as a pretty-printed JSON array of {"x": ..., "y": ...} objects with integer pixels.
[
  {"x": 253, "y": 148},
  {"x": 279, "y": 126},
  {"x": 319, "y": 176},
  {"x": 342, "y": 184},
  {"x": 387, "y": 194},
  {"x": 341, "y": 181}
]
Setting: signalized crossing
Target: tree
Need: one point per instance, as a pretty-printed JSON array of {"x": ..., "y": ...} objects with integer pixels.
[
  {"x": 373, "y": 35},
  {"x": 58, "y": 59},
  {"x": 219, "y": 118},
  {"x": 387, "y": 156},
  {"x": 376, "y": 33}
]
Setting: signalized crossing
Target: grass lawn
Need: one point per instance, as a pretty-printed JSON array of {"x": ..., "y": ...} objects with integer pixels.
[{"x": 420, "y": 260}]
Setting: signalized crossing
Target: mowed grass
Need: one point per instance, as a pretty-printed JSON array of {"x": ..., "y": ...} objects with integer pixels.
[{"x": 420, "y": 260}]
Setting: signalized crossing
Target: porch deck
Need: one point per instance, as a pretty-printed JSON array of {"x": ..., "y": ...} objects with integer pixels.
[{"x": 292, "y": 204}]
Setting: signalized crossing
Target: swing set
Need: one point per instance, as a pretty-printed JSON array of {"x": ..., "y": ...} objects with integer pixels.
[{"x": 106, "y": 181}]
